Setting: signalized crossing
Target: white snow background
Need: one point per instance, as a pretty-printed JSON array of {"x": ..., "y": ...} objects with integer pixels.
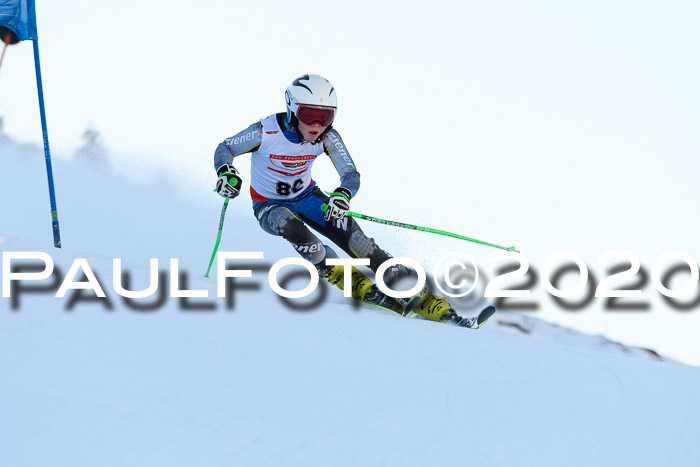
[
  {"x": 86, "y": 382},
  {"x": 539, "y": 125}
]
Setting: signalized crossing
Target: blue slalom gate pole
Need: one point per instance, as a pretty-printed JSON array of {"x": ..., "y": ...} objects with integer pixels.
[{"x": 47, "y": 152}]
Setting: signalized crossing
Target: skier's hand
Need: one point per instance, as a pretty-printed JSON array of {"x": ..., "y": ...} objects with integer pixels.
[
  {"x": 338, "y": 204},
  {"x": 229, "y": 183}
]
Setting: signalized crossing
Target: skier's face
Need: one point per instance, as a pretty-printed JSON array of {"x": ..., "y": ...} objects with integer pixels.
[{"x": 311, "y": 132}]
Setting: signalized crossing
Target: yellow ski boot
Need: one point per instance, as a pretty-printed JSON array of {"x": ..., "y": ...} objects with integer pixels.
[
  {"x": 430, "y": 306},
  {"x": 360, "y": 283},
  {"x": 436, "y": 308},
  {"x": 363, "y": 289}
]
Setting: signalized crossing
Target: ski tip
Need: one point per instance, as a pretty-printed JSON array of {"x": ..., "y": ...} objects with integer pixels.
[
  {"x": 206, "y": 275},
  {"x": 485, "y": 314}
]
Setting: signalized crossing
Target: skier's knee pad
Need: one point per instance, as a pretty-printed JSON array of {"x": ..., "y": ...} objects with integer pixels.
[
  {"x": 361, "y": 245},
  {"x": 365, "y": 247},
  {"x": 280, "y": 221}
]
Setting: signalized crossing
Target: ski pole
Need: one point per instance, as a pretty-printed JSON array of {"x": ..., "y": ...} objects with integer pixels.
[
  {"x": 218, "y": 236},
  {"x": 428, "y": 229}
]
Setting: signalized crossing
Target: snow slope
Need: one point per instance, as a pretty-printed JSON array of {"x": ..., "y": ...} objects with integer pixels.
[{"x": 197, "y": 382}]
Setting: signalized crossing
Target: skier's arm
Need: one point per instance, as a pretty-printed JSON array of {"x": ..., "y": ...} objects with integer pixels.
[
  {"x": 335, "y": 148},
  {"x": 246, "y": 141},
  {"x": 229, "y": 183}
]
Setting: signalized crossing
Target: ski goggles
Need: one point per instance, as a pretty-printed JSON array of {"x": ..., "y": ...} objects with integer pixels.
[{"x": 312, "y": 115}]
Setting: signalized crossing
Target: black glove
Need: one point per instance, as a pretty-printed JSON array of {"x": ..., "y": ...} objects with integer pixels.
[
  {"x": 338, "y": 204},
  {"x": 229, "y": 183}
]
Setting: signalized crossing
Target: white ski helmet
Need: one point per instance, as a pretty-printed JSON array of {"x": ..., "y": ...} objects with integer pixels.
[{"x": 310, "y": 90}]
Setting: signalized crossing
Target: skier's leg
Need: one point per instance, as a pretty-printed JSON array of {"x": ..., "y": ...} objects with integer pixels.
[
  {"x": 347, "y": 234},
  {"x": 281, "y": 221}
]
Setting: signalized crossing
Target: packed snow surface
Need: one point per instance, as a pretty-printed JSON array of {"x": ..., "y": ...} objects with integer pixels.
[{"x": 250, "y": 380}]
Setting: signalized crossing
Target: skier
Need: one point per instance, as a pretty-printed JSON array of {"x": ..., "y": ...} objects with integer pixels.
[{"x": 287, "y": 201}]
